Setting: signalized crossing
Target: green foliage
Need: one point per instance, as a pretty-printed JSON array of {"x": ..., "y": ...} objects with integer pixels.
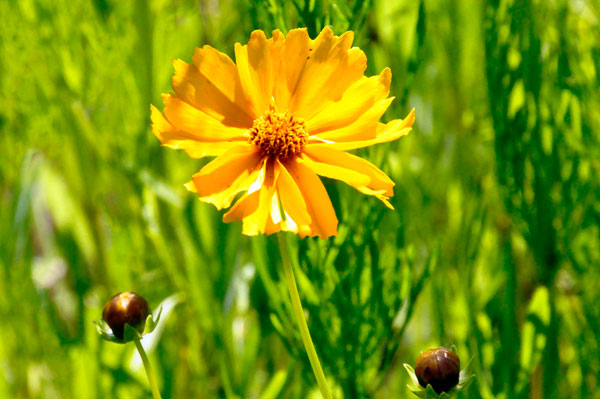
[{"x": 493, "y": 245}]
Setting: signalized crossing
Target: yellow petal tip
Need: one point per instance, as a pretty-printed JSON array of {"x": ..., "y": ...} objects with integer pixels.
[{"x": 410, "y": 118}]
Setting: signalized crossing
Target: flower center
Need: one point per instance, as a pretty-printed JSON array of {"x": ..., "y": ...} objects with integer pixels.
[{"x": 279, "y": 135}]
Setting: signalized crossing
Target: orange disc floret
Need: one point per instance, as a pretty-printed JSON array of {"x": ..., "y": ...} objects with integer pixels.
[{"x": 279, "y": 135}]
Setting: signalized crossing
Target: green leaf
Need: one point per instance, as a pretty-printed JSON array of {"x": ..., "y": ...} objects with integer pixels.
[
  {"x": 533, "y": 339},
  {"x": 275, "y": 386}
]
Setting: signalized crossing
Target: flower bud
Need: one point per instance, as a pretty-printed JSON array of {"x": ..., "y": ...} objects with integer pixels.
[
  {"x": 439, "y": 368},
  {"x": 125, "y": 308}
]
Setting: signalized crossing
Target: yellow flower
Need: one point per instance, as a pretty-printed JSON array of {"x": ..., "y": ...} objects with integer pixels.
[{"x": 279, "y": 118}]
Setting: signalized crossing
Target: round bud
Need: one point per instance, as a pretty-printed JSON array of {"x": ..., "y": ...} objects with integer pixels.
[
  {"x": 125, "y": 308},
  {"x": 439, "y": 368}
]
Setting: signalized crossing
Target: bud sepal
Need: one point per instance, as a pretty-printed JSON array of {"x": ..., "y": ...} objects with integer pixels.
[{"x": 129, "y": 333}]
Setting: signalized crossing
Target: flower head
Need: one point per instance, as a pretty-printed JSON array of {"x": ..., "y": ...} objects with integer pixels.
[
  {"x": 126, "y": 317},
  {"x": 437, "y": 374},
  {"x": 439, "y": 368},
  {"x": 281, "y": 116}
]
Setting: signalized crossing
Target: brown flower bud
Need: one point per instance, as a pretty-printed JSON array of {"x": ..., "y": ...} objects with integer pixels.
[
  {"x": 439, "y": 368},
  {"x": 125, "y": 308}
]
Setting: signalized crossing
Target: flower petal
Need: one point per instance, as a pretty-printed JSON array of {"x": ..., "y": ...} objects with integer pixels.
[
  {"x": 331, "y": 67},
  {"x": 296, "y": 50},
  {"x": 323, "y": 220},
  {"x": 256, "y": 208},
  {"x": 350, "y": 169},
  {"x": 243, "y": 208},
  {"x": 172, "y": 137},
  {"x": 357, "y": 99},
  {"x": 193, "y": 87},
  {"x": 385, "y": 133},
  {"x": 224, "y": 198},
  {"x": 257, "y": 64},
  {"x": 219, "y": 180},
  {"x": 197, "y": 124},
  {"x": 221, "y": 72},
  {"x": 274, "y": 222},
  {"x": 365, "y": 127},
  {"x": 348, "y": 176},
  {"x": 292, "y": 201}
]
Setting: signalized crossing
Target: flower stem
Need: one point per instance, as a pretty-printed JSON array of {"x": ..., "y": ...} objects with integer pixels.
[
  {"x": 151, "y": 380},
  {"x": 299, "y": 313}
]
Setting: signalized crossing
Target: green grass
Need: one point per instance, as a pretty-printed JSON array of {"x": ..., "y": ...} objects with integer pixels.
[{"x": 493, "y": 246}]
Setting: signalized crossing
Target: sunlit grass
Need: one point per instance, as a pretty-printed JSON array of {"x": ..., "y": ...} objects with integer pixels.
[{"x": 493, "y": 246}]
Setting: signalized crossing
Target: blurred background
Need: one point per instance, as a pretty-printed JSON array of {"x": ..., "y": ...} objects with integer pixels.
[{"x": 493, "y": 247}]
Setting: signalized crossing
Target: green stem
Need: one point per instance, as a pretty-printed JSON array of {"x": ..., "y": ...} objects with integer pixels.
[
  {"x": 151, "y": 380},
  {"x": 299, "y": 313}
]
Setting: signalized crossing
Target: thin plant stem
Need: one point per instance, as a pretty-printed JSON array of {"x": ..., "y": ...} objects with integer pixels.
[
  {"x": 151, "y": 380},
  {"x": 299, "y": 313}
]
